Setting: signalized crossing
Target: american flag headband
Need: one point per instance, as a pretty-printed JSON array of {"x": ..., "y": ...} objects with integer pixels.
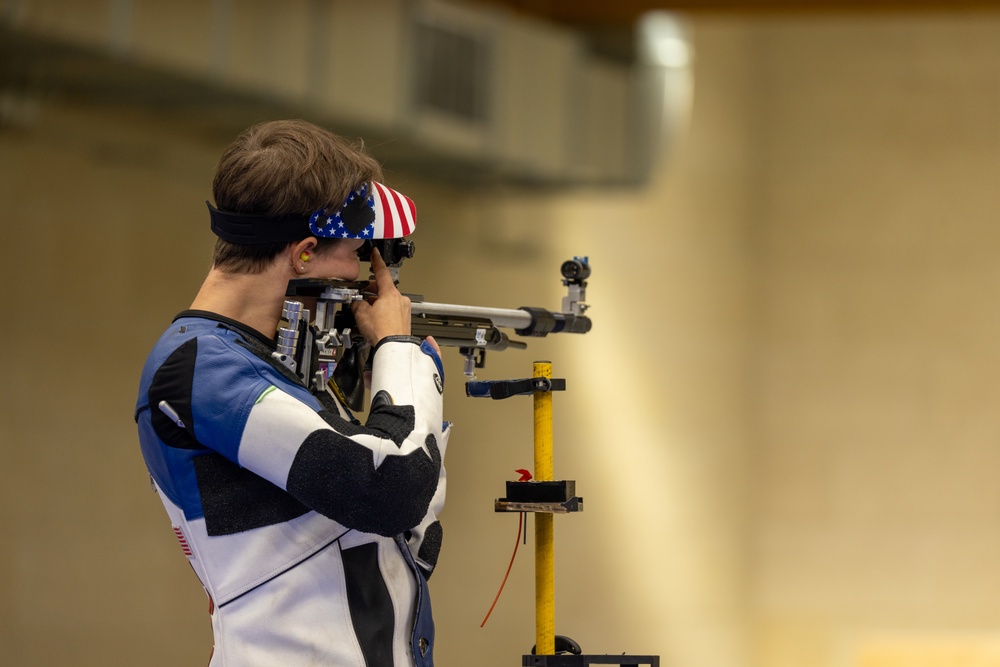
[{"x": 378, "y": 212}]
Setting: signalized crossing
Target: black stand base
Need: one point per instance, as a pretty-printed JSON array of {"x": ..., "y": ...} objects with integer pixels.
[{"x": 584, "y": 660}]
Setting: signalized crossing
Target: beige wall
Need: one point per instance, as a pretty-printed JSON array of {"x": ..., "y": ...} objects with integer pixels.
[
  {"x": 782, "y": 423},
  {"x": 877, "y": 376}
]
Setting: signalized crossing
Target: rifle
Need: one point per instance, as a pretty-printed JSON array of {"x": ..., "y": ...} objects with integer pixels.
[{"x": 327, "y": 351}]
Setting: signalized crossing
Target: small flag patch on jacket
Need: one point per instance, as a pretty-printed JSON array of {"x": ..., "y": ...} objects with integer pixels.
[{"x": 183, "y": 540}]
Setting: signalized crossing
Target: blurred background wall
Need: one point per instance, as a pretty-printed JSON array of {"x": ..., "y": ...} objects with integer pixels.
[{"x": 783, "y": 422}]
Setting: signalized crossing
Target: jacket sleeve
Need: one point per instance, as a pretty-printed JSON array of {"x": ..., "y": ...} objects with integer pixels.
[
  {"x": 424, "y": 540},
  {"x": 378, "y": 478}
]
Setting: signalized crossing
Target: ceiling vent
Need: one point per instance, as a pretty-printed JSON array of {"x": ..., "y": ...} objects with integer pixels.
[
  {"x": 452, "y": 72},
  {"x": 451, "y": 77}
]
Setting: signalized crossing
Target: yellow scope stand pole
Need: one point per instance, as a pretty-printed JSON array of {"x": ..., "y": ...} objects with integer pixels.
[{"x": 544, "y": 527}]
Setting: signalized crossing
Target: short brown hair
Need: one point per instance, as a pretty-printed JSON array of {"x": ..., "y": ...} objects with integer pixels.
[{"x": 279, "y": 168}]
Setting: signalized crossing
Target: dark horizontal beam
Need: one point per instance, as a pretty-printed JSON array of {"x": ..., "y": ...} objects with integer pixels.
[{"x": 619, "y": 12}]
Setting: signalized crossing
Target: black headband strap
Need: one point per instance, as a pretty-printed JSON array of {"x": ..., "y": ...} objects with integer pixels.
[{"x": 256, "y": 228}]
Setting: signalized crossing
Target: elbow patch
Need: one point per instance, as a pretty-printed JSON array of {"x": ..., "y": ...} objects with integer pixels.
[{"x": 338, "y": 478}]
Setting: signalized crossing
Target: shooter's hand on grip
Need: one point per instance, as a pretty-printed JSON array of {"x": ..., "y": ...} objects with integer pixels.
[
  {"x": 385, "y": 314},
  {"x": 388, "y": 312}
]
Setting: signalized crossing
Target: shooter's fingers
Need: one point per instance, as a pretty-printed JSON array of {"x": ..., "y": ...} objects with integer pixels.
[
  {"x": 383, "y": 279},
  {"x": 385, "y": 314}
]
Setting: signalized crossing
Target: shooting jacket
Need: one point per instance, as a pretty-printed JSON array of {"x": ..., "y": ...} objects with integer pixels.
[{"x": 311, "y": 533}]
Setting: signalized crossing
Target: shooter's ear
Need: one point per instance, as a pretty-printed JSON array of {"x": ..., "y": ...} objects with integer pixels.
[{"x": 300, "y": 253}]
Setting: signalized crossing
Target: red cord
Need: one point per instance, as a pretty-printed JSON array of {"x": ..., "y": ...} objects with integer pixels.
[{"x": 520, "y": 523}]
